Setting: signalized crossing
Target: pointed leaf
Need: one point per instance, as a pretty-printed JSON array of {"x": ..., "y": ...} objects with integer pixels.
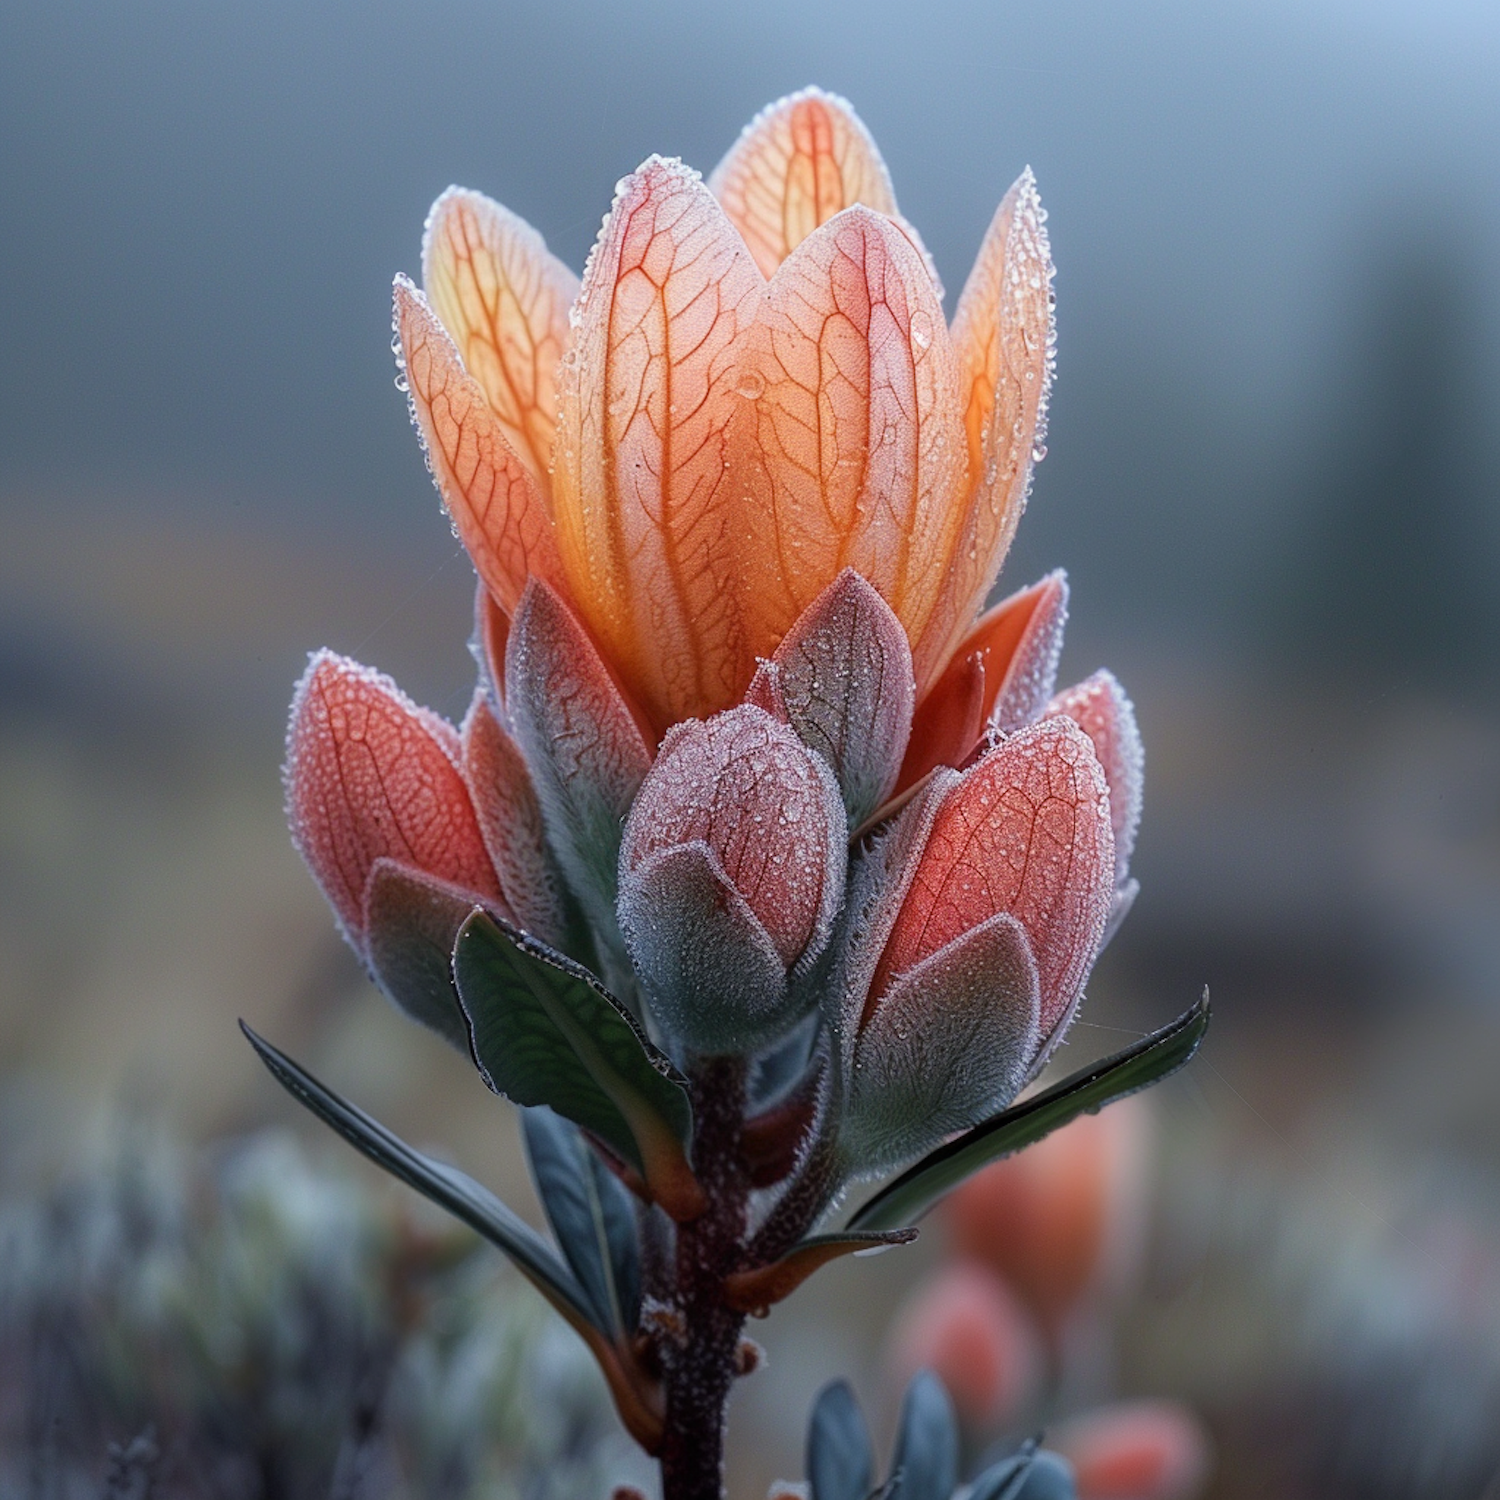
[
  {"x": 591, "y": 1216},
  {"x": 840, "y": 1458},
  {"x": 1003, "y": 344},
  {"x": 482, "y": 1211},
  {"x": 925, "y": 1464},
  {"x": 843, "y": 681},
  {"x": 1135, "y": 1068},
  {"x": 369, "y": 774},
  {"x": 582, "y": 743},
  {"x": 756, "y": 1291},
  {"x": 446, "y": 1186},
  {"x": 1032, "y": 1474},
  {"x": 543, "y": 1030},
  {"x": 948, "y": 1042}
]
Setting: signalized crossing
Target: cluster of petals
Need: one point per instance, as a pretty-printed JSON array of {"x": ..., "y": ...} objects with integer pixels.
[{"x": 744, "y": 740}]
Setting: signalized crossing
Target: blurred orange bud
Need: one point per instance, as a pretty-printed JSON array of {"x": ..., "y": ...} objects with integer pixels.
[
  {"x": 1065, "y": 1216},
  {"x": 966, "y": 1326},
  {"x": 1137, "y": 1450}
]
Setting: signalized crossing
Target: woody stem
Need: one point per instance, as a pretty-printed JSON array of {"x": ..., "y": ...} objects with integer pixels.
[{"x": 700, "y": 1362}]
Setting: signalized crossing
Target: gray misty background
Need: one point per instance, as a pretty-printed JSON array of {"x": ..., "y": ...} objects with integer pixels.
[{"x": 1274, "y": 477}]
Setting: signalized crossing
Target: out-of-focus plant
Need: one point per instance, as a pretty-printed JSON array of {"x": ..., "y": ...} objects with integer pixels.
[
  {"x": 1017, "y": 1320},
  {"x": 763, "y": 862},
  {"x": 251, "y": 1326}
]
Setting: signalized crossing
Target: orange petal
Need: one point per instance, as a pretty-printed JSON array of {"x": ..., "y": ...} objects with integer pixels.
[
  {"x": 1003, "y": 338},
  {"x": 369, "y": 775},
  {"x": 488, "y": 491},
  {"x": 504, "y": 299},
  {"x": 852, "y": 386},
  {"x": 1027, "y": 831},
  {"x": 949, "y": 722},
  {"x": 641, "y": 489},
  {"x": 799, "y": 162},
  {"x": 1000, "y": 678}
]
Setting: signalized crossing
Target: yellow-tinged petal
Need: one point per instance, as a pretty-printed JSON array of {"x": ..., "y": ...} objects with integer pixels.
[
  {"x": 859, "y": 446},
  {"x": 504, "y": 299},
  {"x": 1003, "y": 336},
  {"x": 799, "y": 162},
  {"x": 488, "y": 491},
  {"x": 641, "y": 482}
]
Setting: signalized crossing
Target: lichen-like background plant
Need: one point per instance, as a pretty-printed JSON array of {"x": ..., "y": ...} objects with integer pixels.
[{"x": 1272, "y": 477}]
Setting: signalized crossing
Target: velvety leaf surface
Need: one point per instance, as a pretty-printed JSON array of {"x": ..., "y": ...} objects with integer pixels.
[
  {"x": 413, "y": 920},
  {"x": 1148, "y": 1061},
  {"x": 369, "y": 775},
  {"x": 844, "y": 683}
]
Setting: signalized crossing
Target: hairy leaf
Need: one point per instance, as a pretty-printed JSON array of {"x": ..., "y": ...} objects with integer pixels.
[{"x": 1086, "y": 1092}]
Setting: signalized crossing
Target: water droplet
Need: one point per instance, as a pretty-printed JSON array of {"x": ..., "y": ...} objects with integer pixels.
[
  {"x": 751, "y": 385},
  {"x": 921, "y": 330}
]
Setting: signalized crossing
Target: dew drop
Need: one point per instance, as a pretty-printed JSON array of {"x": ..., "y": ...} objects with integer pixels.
[
  {"x": 921, "y": 330},
  {"x": 751, "y": 385}
]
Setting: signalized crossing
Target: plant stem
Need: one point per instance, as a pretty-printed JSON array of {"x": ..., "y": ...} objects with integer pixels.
[{"x": 700, "y": 1364}]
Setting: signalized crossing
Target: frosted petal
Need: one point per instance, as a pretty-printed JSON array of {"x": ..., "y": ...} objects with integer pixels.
[
  {"x": 504, "y": 299},
  {"x": 369, "y": 775}
]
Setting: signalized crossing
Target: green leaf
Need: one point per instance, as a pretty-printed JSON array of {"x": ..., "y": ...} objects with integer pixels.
[
  {"x": 543, "y": 1030},
  {"x": 446, "y": 1186},
  {"x": 840, "y": 1459},
  {"x": 1086, "y": 1092},
  {"x": 925, "y": 1464},
  {"x": 591, "y": 1216}
]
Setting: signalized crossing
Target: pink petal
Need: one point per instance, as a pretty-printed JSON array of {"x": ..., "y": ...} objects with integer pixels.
[
  {"x": 369, "y": 775},
  {"x": 1099, "y": 706},
  {"x": 1026, "y": 831}
]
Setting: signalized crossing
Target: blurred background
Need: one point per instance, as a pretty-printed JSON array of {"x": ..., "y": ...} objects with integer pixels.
[{"x": 1274, "y": 478}]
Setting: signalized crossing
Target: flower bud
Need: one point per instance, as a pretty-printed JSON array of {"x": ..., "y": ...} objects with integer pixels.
[
  {"x": 379, "y": 809},
  {"x": 965, "y": 1325},
  {"x": 371, "y": 776},
  {"x": 584, "y": 746},
  {"x": 978, "y": 920},
  {"x": 842, "y": 679},
  {"x": 731, "y": 873}
]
